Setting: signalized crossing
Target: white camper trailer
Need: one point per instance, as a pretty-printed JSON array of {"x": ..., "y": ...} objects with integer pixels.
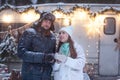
[{"x": 95, "y": 27}]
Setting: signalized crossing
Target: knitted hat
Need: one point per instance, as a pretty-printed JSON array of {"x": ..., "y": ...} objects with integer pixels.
[{"x": 68, "y": 29}]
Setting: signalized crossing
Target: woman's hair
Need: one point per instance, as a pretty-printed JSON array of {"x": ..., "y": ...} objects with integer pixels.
[{"x": 73, "y": 53}]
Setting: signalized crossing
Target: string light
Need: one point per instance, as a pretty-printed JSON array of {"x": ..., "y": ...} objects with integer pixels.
[
  {"x": 30, "y": 16},
  {"x": 7, "y": 18}
]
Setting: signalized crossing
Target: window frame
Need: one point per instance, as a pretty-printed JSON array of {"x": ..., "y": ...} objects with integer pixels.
[{"x": 114, "y": 26}]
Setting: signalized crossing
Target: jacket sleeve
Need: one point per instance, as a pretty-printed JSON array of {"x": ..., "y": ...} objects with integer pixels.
[
  {"x": 79, "y": 62},
  {"x": 24, "y": 52}
]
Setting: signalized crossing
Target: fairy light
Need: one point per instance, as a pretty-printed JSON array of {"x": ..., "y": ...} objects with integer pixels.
[
  {"x": 92, "y": 65},
  {"x": 93, "y": 30},
  {"x": 79, "y": 13},
  {"x": 66, "y": 22},
  {"x": 7, "y": 18},
  {"x": 58, "y": 14},
  {"x": 30, "y": 16},
  {"x": 95, "y": 25},
  {"x": 88, "y": 45}
]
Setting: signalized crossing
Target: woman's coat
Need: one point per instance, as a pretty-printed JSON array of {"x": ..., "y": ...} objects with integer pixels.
[{"x": 72, "y": 69}]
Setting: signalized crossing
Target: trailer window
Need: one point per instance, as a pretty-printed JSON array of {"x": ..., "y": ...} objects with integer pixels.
[{"x": 110, "y": 26}]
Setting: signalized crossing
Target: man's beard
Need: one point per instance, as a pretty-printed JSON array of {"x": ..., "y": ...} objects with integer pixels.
[{"x": 45, "y": 32}]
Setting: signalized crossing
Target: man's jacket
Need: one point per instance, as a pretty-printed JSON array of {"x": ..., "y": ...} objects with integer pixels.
[{"x": 32, "y": 48}]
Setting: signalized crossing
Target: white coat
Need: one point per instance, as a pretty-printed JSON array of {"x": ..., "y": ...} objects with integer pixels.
[{"x": 72, "y": 69}]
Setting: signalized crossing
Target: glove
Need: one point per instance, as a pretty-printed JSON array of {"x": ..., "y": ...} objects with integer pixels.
[
  {"x": 49, "y": 58},
  {"x": 60, "y": 57}
]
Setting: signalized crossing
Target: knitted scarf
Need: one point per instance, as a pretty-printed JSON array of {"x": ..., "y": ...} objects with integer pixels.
[{"x": 64, "y": 49}]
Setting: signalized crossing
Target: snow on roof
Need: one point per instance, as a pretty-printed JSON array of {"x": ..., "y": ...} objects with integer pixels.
[{"x": 66, "y": 7}]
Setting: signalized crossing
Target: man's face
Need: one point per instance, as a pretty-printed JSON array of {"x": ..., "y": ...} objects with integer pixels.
[{"x": 46, "y": 24}]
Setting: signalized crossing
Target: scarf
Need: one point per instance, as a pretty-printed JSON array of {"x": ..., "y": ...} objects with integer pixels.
[{"x": 64, "y": 49}]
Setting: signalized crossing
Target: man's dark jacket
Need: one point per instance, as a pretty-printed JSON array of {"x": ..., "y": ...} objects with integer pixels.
[{"x": 32, "y": 48}]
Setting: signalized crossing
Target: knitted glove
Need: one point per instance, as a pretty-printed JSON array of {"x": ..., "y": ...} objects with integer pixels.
[
  {"x": 60, "y": 57},
  {"x": 49, "y": 58}
]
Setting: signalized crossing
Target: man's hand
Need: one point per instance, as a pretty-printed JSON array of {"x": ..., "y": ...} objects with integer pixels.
[{"x": 49, "y": 58}]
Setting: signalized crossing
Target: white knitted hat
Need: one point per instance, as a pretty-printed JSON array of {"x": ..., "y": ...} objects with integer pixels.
[{"x": 68, "y": 29}]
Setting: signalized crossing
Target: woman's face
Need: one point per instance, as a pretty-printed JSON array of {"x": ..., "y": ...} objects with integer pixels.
[{"x": 63, "y": 36}]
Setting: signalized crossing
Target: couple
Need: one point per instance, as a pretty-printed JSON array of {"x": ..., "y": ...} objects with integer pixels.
[{"x": 37, "y": 49}]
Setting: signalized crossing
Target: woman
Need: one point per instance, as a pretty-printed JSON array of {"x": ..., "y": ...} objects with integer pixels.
[{"x": 70, "y": 58}]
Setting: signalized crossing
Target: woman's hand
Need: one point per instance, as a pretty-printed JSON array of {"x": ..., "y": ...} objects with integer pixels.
[{"x": 60, "y": 57}]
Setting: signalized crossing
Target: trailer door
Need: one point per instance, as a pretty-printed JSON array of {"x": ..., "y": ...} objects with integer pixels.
[{"x": 108, "y": 57}]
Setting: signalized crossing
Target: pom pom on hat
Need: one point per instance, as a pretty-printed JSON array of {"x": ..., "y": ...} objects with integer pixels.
[{"x": 68, "y": 29}]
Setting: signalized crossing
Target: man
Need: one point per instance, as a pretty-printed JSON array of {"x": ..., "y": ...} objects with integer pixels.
[{"x": 36, "y": 48}]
